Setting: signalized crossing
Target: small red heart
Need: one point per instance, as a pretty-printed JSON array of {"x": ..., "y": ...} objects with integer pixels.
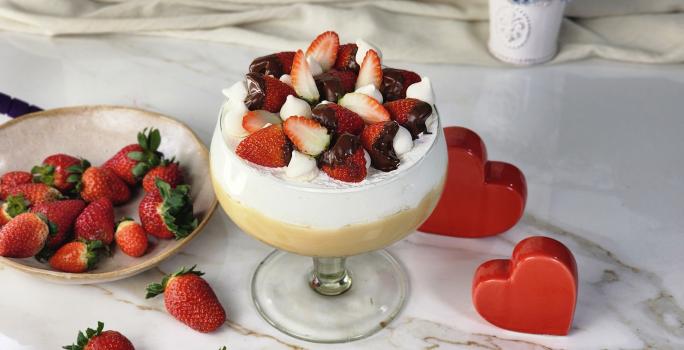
[
  {"x": 534, "y": 292},
  {"x": 481, "y": 198}
]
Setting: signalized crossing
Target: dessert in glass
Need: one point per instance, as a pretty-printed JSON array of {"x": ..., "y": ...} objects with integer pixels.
[{"x": 325, "y": 154}]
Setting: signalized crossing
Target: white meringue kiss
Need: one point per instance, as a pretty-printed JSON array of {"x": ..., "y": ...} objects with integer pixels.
[
  {"x": 232, "y": 112},
  {"x": 362, "y": 47},
  {"x": 403, "y": 142},
  {"x": 286, "y": 78},
  {"x": 422, "y": 90},
  {"x": 371, "y": 91},
  {"x": 314, "y": 66},
  {"x": 301, "y": 167},
  {"x": 294, "y": 106},
  {"x": 236, "y": 92},
  {"x": 366, "y": 156}
]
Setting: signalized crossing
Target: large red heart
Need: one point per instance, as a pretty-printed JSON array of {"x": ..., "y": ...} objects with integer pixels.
[
  {"x": 534, "y": 292},
  {"x": 480, "y": 198}
]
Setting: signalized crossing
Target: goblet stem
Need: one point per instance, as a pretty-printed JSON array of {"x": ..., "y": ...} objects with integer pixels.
[{"x": 330, "y": 276}]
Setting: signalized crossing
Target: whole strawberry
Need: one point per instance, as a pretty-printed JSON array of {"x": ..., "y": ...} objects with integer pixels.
[
  {"x": 190, "y": 299},
  {"x": 345, "y": 161},
  {"x": 77, "y": 256},
  {"x": 167, "y": 212},
  {"x": 346, "y": 58},
  {"x": 93, "y": 183},
  {"x": 410, "y": 113},
  {"x": 266, "y": 92},
  {"x": 96, "y": 339},
  {"x": 377, "y": 139},
  {"x": 96, "y": 222},
  {"x": 35, "y": 193},
  {"x": 131, "y": 237},
  {"x": 337, "y": 119},
  {"x": 63, "y": 215},
  {"x": 54, "y": 171},
  {"x": 12, "y": 179},
  {"x": 24, "y": 236},
  {"x": 169, "y": 171},
  {"x": 132, "y": 162},
  {"x": 14, "y": 206}
]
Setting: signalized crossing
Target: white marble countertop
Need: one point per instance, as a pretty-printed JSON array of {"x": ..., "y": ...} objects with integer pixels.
[{"x": 600, "y": 144}]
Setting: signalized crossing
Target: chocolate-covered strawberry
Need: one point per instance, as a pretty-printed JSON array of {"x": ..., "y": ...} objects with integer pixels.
[
  {"x": 345, "y": 161},
  {"x": 395, "y": 82},
  {"x": 77, "y": 256},
  {"x": 266, "y": 92},
  {"x": 190, "y": 299},
  {"x": 346, "y": 58},
  {"x": 334, "y": 84},
  {"x": 96, "y": 222},
  {"x": 12, "y": 179},
  {"x": 275, "y": 64},
  {"x": 132, "y": 162},
  {"x": 54, "y": 171},
  {"x": 378, "y": 139},
  {"x": 24, "y": 236},
  {"x": 167, "y": 212},
  {"x": 410, "y": 113},
  {"x": 337, "y": 119},
  {"x": 96, "y": 339},
  {"x": 13, "y": 206},
  {"x": 63, "y": 215}
]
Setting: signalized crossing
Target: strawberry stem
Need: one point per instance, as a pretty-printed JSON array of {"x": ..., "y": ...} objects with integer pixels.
[
  {"x": 83, "y": 339},
  {"x": 176, "y": 209}
]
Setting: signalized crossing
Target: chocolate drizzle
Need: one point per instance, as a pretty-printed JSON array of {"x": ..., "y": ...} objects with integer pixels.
[
  {"x": 392, "y": 87},
  {"x": 344, "y": 147},
  {"x": 267, "y": 65},
  {"x": 415, "y": 121},
  {"x": 382, "y": 154},
  {"x": 329, "y": 87},
  {"x": 256, "y": 91},
  {"x": 325, "y": 115}
]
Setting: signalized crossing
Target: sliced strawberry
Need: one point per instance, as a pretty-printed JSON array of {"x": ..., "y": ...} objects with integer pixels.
[
  {"x": 395, "y": 82},
  {"x": 410, "y": 113},
  {"x": 255, "y": 120},
  {"x": 302, "y": 80},
  {"x": 337, "y": 119},
  {"x": 378, "y": 139},
  {"x": 307, "y": 135},
  {"x": 371, "y": 70},
  {"x": 346, "y": 160},
  {"x": 324, "y": 49},
  {"x": 365, "y": 106},
  {"x": 346, "y": 58},
  {"x": 267, "y": 147}
]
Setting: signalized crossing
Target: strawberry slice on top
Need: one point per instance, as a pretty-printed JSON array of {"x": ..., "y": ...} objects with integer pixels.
[
  {"x": 267, "y": 147},
  {"x": 346, "y": 58},
  {"x": 307, "y": 135},
  {"x": 365, "y": 106},
  {"x": 324, "y": 49},
  {"x": 371, "y": 70},
  {"x": 255, "y": 120},
  {"x": 302, "y": 80}
]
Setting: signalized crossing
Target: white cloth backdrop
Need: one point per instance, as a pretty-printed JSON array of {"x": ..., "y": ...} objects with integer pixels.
[{"x": 435, "y": 31}]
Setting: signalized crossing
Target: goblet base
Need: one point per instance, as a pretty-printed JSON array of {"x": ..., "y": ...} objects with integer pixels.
[{"x": 283, "y": 295}]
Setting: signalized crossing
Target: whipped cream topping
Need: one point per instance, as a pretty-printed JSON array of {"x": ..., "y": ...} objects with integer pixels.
[
  {"x": 362, "y": 47},
  {"x": 234, "y": 109},
  {"x": 403, "y": 142},
  {"x": 302, "y": 167},
  {"x": 371, "y": 91},
  {"x": 421, "y": 90},
  {"x": 295, "y": 106},
  {"x": 286, "y": 78},
  {"x": 366, "y": 156}
]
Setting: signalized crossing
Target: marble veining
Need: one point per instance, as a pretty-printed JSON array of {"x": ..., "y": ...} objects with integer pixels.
[{"x": 598, "y": 143}]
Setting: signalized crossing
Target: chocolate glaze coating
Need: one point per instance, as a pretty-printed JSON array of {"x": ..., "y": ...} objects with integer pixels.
[
  {"x": 267, "y": 65},
  {"x": 344, "y": 147},
  {"x": 329, "y": 87},
  {"x": 256, "y": 91},
  {"x": 392, "y": 86},
  {"x": 325, "y": 115},
  {"x": 382, "y": 154},
  {"x": 416, "y": 119}
]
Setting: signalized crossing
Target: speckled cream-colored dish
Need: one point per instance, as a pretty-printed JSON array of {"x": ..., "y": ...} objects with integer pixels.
[{"x": 96, "y": 133}]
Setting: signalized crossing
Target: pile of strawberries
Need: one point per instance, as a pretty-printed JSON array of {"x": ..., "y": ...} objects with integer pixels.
[
  {"x": 63, "y": 210},
  {"x": 356, "y": 119}
]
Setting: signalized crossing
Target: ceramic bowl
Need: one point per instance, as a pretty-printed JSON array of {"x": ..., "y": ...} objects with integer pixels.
[{"x": 96, "y": 133}]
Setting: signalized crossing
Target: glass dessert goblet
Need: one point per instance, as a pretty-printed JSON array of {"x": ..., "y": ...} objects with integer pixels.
[{"x": 354, "y": 287}]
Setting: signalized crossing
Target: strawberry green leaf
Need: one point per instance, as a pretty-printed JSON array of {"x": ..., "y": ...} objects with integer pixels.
[
  {"x": 154, "y": 139},
  {"x": 155, "y": 289},
  {"x": 16, "y": 205},
  {"x": 176, "y": 209},
  {"x": 136, "y": 155}
]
